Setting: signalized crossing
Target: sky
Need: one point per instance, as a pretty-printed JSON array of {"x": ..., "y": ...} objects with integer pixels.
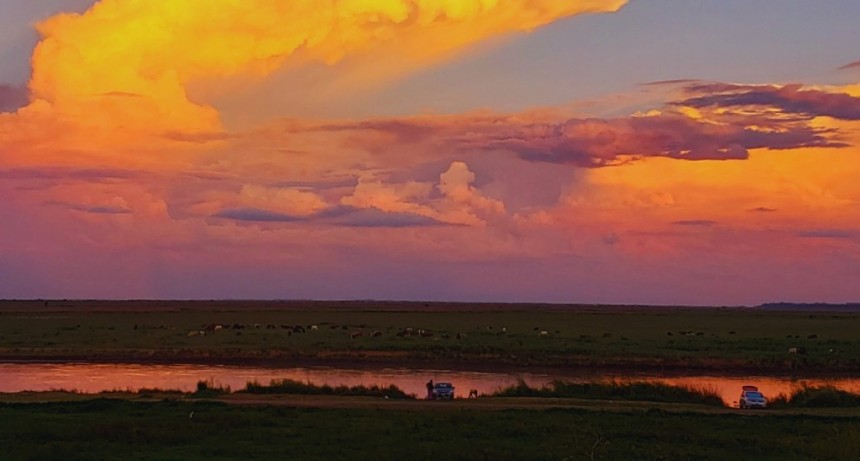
[{"x": 571, "y": 151}]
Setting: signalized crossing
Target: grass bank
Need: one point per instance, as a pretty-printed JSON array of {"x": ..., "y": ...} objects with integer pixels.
[{"x": 172, "y": 430}]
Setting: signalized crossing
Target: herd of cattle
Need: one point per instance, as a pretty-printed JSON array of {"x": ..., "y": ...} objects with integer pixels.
[{"x": 353, "y": 331}]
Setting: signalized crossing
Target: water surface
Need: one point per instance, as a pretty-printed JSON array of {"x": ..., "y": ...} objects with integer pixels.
[{"x": 92, "y": 378}]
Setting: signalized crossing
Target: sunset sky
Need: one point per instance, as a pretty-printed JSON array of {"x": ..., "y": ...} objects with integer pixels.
[{"x": 589, "y": 151}]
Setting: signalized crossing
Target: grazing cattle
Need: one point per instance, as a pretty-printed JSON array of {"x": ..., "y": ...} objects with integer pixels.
[
  {"x": 356, "y": 334},
  {"x": 792, "y": 350},
  {"x": 376, "y": 334},
  {"x": 314, "y": 328},
  {"x": 812, "y": 337},
  {"x": 732, "y": 332},
  {"x": 504, "y": 330},
  {"x": 668, "y": 333},
  {"x": 543, "y": 333},
  {"x": 473, "y": 394}
]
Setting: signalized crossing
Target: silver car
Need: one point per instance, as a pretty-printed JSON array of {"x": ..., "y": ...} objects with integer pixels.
[{"x": 752, "y": 398}]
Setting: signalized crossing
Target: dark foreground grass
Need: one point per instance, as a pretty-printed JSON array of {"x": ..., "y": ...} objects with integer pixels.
[
  {"x": 615, "y": 390},
  {"x": 289, "y": 386},
  {"x": 109, "y": 429}
]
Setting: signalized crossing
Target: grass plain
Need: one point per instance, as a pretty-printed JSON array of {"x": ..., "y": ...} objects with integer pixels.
[
  {"x": 188, "y": 430},
  {"x": 585, "y": 424},
  {"x": 639, "y": 338}
]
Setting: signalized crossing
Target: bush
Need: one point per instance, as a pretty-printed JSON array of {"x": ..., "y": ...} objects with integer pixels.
[
  {"x": 614, "y": 390},
  {"x": 289, "y": 386},
  {"x": 208, "y": 389}
]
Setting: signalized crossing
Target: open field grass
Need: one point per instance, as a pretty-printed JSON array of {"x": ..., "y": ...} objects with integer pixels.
[
  {"x": 189, "y": 430},
  {"x": 718, "y": 339}
]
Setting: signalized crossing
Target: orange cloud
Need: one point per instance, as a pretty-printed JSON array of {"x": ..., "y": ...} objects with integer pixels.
[{"x": 129, "y": 63}]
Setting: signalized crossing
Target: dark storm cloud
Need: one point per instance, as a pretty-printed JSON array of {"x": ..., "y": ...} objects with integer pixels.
[
  {"x": 256, "y": 215},
  {"x": 828, "y": 234},
  {"x": 695, "y": 223},
  {"x": 750, "y": 117},
  {"x": 679, "y": 81},
  {"x": 61, "y": 173},
  {"x": 346, "y": 216},
  {"x": 94, "y": 209},
  {"x": 602, "y": 142},
  {"x": 790, "y": 99},
  {"x": 373, "y": 217}
]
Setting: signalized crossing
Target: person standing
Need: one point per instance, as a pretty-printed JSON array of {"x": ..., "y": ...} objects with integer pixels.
[{"x": 430, "y": 390}]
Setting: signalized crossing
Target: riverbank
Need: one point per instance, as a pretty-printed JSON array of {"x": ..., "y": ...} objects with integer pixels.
[{"x": 252, "y": 427}]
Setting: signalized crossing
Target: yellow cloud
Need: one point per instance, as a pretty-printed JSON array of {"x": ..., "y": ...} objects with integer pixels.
[{"x": 129, "y": 63}]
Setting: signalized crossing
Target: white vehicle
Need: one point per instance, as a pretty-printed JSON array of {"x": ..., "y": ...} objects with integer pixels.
[{"x": 752, "y": 398}]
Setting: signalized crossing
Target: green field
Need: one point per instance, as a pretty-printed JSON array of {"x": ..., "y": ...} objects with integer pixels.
[
  {"x": 717, "y": 339},
  {"x": 167, "y": 430}
]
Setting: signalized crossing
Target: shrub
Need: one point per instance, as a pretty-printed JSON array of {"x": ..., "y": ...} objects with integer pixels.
[
  {"x": 208, "y": 389},
  {"x": 289, "y": 386},
  {"x": 614, "y": 390}
]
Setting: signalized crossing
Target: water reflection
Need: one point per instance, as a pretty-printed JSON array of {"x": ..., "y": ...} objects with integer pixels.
[{"x": 16, "y": 377}]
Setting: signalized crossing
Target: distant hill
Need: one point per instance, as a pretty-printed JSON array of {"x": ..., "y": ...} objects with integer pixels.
[{"x": 818, "y": 307}]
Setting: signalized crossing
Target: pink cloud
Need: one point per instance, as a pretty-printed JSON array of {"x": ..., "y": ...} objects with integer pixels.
[{"x": 852, "y": 65}]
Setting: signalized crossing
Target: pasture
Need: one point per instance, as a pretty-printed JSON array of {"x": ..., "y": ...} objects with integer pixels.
[{"x": 715, "y": 339}]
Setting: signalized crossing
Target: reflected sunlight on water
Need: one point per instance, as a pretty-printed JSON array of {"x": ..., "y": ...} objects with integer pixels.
[{"x": 91, "y": 378}]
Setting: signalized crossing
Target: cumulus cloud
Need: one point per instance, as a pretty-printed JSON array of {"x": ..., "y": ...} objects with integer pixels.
[
  {"x": 130, "y": 62},
  {"x": 454, "y": 200},
  {"x": 456, "y": 185}
]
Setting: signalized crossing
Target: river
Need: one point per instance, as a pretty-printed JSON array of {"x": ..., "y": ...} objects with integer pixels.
[{"x": 93, "y": 378}]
